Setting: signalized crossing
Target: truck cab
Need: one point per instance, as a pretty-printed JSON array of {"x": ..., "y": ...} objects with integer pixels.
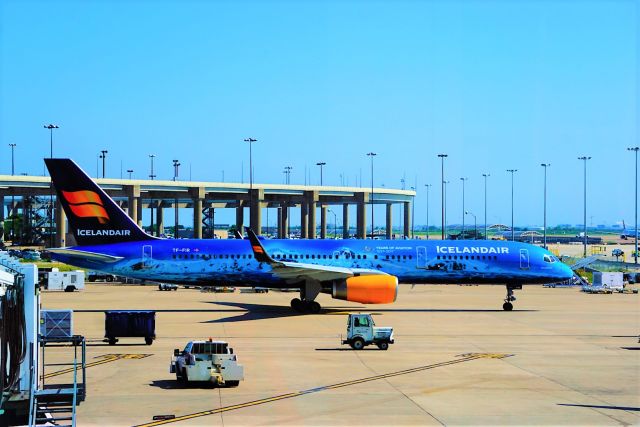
[
  {"x": 362, "y": 331},
  {"x": 211, "y": 361}
]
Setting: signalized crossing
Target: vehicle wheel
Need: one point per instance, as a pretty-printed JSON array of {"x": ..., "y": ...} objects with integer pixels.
[
  {"x": 297, "y": 305},
  {"x": 112, "y": 341},
  {"x": 109, "y": 279},
  {"x": 148, "y": 340},
  {"x": 232, "y": 383},
  {"x": 314, "y": 307},
  {"x": 70, "y": 289},
  {"x": 507, "y": 306},
  {"x": 383, "y": 345},
  {"x": 357, "y": 344},
  {"x": 159, "y": 287},
  {"x": 92, "y": 279}
]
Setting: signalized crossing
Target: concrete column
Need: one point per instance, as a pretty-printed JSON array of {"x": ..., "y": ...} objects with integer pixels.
[
  {"x": 134, "y": 205},
  {"x": 160, "y": 218},
  {"x": 240, "y": 218},
  {"x": 280, "y": 232},
  {"x": 61, "y": 226},
  {"x": 389, "y": 220},
  {"x": 304, "y": 219},
  {"x": 312, "y": 199},
  {"x": 407, "y": 219},
  {"x": 345, "y": 221},
  {"x": 361, "y": 225},
  {"x": 285, "y": 221},
  {"x": 197, "y": 194},
  {"x": 2, "y": 218},
  {"x": 255, "y": 210},
  {"x": 323, "y": 222}
]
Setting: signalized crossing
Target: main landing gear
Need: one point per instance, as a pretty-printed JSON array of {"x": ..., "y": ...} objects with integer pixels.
[
  {"x": 507, "y": 306},
  {"x": 306, "y": 303},
  {"x": 304, "y": 306}
]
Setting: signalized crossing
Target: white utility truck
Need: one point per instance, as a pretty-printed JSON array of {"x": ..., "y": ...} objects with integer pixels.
[
  {"x": 211, "y": 361},
  {"x": 67, "y": 281},
  {"x": 362, "y": 331}
]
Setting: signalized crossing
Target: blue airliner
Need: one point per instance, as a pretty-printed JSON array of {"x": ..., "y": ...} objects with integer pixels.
[{"x": 365, "y": 271}]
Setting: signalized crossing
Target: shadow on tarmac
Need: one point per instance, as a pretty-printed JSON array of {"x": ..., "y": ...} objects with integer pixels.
[
  {"x": 174, "y": 384},
  {"x": 264, "y": 311},
  {"x": 347, "y": 349},
  {"x": 622, "y": 408}
]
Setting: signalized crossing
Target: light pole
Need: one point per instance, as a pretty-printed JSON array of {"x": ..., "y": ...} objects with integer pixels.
[
  {"x": 251, "y": 141},
  {"x": 513, "y": 233},
  {"x": 152, "y": 176},
  {"x": 427, "y": 186},
  {"x": 130, "y": 171},
  {"x": 287, "y": 172},
  {"x": 445, "y": 204},
  {"x": 51, "y": 127},
  {"x": 485, "y": 175},
  {"x": 442, "y": 157},
  {"x": 475, "y": 225},
  {"x": 13, "y": 170},
  {"x": 584, "y": 159},
  {"x": 321, "y": 164},
  {"x": 544, "y": 239},
  {"x": 176, "y": 223},
  {"x": 413, "y": 210},
  {"x": 635, "y": 149},
  {"x": 335, "y": 223},
  {"x": 463, "y": 211},
  {"x": 371, "y": 155},
  {"x": 103, "y": 156}
]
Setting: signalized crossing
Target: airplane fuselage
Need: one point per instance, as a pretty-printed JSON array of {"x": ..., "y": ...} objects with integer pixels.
[{"x": 210, "y": 262}]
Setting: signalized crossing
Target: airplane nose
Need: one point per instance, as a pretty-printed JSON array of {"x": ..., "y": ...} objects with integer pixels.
[{"x": 566, "y": 272}]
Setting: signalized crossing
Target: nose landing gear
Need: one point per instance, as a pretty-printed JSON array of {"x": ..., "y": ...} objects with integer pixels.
[{"x": 508, "y": 306}]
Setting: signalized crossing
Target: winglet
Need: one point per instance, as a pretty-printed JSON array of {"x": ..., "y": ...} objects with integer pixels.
[{"x": 258, "y": 250}]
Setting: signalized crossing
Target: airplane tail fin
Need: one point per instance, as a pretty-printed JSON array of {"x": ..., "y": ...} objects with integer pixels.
[{"x": 94, "y": 218}]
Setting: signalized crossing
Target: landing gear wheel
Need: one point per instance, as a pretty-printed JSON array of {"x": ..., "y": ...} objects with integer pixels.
[
  {"x": 297, "y": 305},
  {"x": 357, "y": 344},
  {"x": 148, "y": 340},
  {"x": 507, "y": 306},
  {"x": 232, "y": 383},
  {"x": 383, "y": 346},
  {"x": 314, "y": 307}
]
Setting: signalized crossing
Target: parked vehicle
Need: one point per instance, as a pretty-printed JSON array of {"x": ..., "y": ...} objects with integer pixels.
[
  {"x": 67, "y": 281},
  {"x": 211, "y": 361},
  {"x": 362, "y": 331},
  {"x": 167, "y": 287},
  {"x": 96, "y": 276}
]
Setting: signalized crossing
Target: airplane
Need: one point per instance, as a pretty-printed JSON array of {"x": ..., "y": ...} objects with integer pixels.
[{"x": 364, "y": 271}]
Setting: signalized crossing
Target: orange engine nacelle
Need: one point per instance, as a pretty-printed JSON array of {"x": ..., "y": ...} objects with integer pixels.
[{"x": 368, "y": 289}]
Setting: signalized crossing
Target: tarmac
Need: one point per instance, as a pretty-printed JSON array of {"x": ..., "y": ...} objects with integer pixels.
[{"x": 561, "y": 357}]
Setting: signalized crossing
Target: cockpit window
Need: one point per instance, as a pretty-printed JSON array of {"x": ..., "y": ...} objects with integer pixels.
[{"x": 549, "y": 259}]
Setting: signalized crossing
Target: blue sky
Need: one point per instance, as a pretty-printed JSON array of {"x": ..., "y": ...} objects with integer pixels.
[{"x": 494, "y": 84}]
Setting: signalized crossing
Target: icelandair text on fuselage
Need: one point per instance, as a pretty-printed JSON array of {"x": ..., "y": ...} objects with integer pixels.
[
  {"x": 470, "y": 250},
  {"x": 104, "y": 232}
]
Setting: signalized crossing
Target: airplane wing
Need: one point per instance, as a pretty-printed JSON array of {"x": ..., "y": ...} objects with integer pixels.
[
  {"x": 93, "y": 256},
  {"x": 294, "y": 271}
]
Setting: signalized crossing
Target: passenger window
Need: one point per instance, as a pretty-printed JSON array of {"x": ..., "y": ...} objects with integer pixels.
[
  {"x": 358, "y": 256},
  {"x": 375, "y": 257}
]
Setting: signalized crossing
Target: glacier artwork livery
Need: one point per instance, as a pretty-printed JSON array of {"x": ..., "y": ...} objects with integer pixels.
[{"x": 365, "y": 271}]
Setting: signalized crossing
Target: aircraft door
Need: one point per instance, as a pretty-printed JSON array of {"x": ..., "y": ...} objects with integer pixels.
[
  {"x": 421, "y": 257},
  {"x": 524, "y": 259},
  {"x": 147, "y": 255}
]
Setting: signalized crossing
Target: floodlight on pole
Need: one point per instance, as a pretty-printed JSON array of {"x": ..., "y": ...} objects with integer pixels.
[
  {"x": 513, "y": 231},
  {"x": 544, "y": 239},
  {"x": 51, "y": 127},
  {"x": 485, "y": 175},
  {"x": 442, "y": 157},
  {"x": 463, "y": 179},
  {"x": 635, "y": 150},
  {"x": 103, "y": 156},
  {"x": 371, "y": 155},
  {"x": 584, "y": 159},
  {"x": 321, "y": 164}
]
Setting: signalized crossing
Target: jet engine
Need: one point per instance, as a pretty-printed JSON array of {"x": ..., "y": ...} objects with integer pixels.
[{"x": 367, "y": 289}]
